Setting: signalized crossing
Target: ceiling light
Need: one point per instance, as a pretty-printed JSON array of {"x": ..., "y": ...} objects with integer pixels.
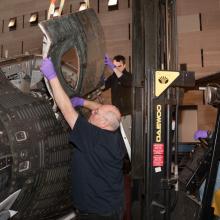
[
  {"x": 112, "y": 2},
  {"x": 82, "y": 6},
  {"x": 12, "y": 23},
  {"x": 33, "y": 18}
]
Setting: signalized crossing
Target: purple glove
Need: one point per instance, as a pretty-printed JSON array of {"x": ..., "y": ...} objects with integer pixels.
[
  {"x": 108, "y": 62},
  {"x": 77, "y": 101},
  {"x": 47, "y": 68},
  {"x": 200, "y": 134}
]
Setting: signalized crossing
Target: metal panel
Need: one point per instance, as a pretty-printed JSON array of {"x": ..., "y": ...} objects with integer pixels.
[{"x": 35, "y": 155}]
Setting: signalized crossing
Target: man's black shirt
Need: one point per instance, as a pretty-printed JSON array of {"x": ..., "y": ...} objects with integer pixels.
[{"x": 120, "y": 91}]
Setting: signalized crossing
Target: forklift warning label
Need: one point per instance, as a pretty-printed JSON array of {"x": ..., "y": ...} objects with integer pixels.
[
  {"x": 163, "y": 79},
  {"x": 158, "y": 155}
]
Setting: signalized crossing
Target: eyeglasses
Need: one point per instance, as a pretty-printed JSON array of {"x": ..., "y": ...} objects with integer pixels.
[
  {"x": 95, "y": 112},
  {"x": 100, "y": 114},
  {"x": 112, "y": 120}
]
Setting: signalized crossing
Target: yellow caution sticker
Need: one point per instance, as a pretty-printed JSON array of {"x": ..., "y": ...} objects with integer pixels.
[{"x": 163, "y": 79}]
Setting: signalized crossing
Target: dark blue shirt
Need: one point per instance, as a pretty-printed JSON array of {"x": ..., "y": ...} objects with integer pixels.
[{"x": 97, "y": 176}]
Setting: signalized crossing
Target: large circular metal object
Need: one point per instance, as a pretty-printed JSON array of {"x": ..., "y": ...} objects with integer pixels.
[
  {"x": 76, "y": 40},
  {"x": 34, "y": 156}
]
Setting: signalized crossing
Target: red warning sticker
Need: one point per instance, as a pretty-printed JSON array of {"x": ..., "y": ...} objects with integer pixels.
[
  {"x": 158, "y": 155},
  {"x": 158, "y": 160},
  {"x": 158, "y": 149}
]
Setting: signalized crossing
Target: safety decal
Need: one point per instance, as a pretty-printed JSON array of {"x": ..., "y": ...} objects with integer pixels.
[
  {"x": 158, "y": 155},
  {"x": 163, "y": 79}
]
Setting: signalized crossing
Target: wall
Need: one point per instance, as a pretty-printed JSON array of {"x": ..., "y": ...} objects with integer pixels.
[
  {"x": 199, "y": 48},
  {"x": 198, "y": 31},
  {"x": 206, "y": 114},
  {"x": 27, "y": 38}
]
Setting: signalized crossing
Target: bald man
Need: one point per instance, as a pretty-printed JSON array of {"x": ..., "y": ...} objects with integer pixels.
[{"x": 97, "y": 160}]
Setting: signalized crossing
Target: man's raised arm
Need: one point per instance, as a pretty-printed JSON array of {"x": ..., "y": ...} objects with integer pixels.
[
  {"x": 91, "y": 105},
  {"x": 62, "y": 100}
]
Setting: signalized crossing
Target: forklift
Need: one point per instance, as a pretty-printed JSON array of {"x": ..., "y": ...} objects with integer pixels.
[{"x": 158, "y": 86}]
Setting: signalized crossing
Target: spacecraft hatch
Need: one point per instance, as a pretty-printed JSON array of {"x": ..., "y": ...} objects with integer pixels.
[{"x": 35, "y": 153}]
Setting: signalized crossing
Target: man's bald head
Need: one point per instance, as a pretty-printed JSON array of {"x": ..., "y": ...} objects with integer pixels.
[
  {"x": 113, "y": 115},
  {"x": 106, "y": 117}
]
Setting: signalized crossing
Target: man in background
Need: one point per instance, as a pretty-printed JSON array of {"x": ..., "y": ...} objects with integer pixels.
[{"x": 120, "y": 83}]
